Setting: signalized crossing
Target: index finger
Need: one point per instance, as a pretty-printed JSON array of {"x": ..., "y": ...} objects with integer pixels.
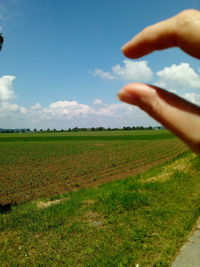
[{"x": 181, "y": 30}]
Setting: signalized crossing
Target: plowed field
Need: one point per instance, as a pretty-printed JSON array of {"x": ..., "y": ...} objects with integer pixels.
[{"x": 37, "y": 165}]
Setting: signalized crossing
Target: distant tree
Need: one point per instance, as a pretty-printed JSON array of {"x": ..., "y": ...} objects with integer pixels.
[
  {"x": 101, "y": 128},
  {"x": 127, "y": 128},
  {"x": 35, "y": 130},
  {"x": 75, "y": 129},
  {"x": 48, "y": 130},
  {"x": 83, "y": 129}
]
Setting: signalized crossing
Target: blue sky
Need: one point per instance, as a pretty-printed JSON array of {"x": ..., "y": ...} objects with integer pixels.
[{"x": 58, "y": 64}]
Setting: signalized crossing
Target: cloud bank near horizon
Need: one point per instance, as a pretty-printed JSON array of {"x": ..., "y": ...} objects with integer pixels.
[
  {"x": 65, "y": 114},
  {"x": 181, "y": 79}
]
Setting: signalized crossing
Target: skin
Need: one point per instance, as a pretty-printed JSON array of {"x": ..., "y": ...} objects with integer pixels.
[{"x": 176, "y": 114}]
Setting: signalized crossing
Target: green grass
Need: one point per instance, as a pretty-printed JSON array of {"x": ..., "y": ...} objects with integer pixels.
[
  {"x": 140, "y": 220},
  {"x": 88, "y": 136}
]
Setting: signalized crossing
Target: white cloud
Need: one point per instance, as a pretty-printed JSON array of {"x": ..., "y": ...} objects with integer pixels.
[
  {"x": 63, "y": 104},
  {"x": 104, "y": 75},
  {"x": 8, "y": 107},
  {"x": 178, "y": 77},
  {"x": 37, "y": 106},
  {"x": 24, "y": 110},
  {"x": 7, "y": 95},
  {"x": 97, "y": 102},
  {"x": 130, "y": 71},
  {"x": 133, "y": 71},
  {"x": 6, "y": 89},
  {"x": 68, "y": 109}
]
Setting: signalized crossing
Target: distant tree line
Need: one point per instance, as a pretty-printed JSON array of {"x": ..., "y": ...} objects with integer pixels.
[
  {"x": 77, "y": 129},
  {"x": 23, "y": 130}
]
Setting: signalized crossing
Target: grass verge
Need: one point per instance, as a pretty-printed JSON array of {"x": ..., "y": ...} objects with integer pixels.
[{"x": 141, "y": 220}]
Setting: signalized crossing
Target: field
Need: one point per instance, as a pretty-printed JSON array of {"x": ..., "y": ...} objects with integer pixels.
[
  {"x": 140, "y": 221},
  {"x": 46, "y": 164}
]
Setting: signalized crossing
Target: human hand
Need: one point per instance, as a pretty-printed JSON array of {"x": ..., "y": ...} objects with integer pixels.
[{"x": 178, "y": 115}]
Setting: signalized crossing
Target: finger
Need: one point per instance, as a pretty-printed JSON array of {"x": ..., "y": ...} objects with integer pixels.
[
  {"x": 155, "y": 37},
  {"x": 181, "y": 30},
  {"x": 176, "y": 114}
]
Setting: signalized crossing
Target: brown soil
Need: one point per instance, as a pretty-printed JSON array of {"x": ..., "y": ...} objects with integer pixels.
[{"x": 63, "y": 186}]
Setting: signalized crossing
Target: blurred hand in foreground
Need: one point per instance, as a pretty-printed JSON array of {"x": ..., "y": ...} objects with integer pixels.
[{"x": 178, "y": 115}]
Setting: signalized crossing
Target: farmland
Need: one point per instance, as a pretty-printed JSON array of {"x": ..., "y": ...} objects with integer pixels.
[
  {"x": 47, "y": 164},
  {"x": 141, "y": 220}
]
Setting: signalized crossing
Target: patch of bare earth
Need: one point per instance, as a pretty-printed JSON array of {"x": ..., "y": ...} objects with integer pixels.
[
  {"x": 94, "y": 219},
  {"x": 89, "y": 202},
  {"x": 46, "y": 204}
]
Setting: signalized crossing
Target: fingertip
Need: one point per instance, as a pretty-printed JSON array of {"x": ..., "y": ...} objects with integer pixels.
[
  {"x": 139, "y": 94},
  {"x": 124, "y": 47},
  {"x": 127, "y": 94},
  {"x": 130, "y": 50},
  {"x": 127, "y": 52}
]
